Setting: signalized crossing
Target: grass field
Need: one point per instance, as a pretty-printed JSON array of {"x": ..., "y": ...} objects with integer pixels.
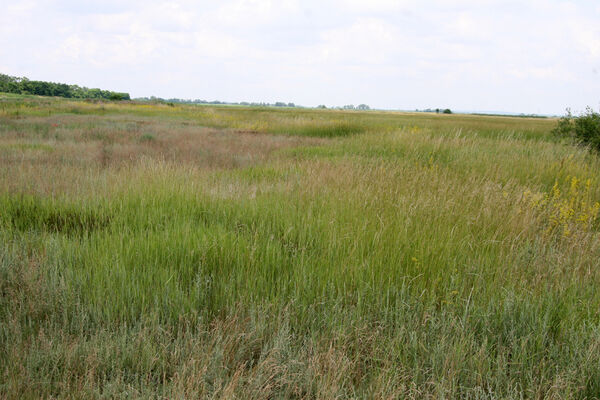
[{"x": 152, "y": 251}]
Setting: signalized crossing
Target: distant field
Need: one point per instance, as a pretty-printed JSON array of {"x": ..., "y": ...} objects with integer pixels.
[{"x": 156, "y": 251}]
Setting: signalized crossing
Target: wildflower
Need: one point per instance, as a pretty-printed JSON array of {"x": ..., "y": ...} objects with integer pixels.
[
  {"x": 570, "y": 211},
  {"x": 574, "y": 185},
  {"x": 555, "y": 190}
]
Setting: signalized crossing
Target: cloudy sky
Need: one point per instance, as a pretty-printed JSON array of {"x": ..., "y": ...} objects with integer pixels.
[{"x": 531, "y": 56}]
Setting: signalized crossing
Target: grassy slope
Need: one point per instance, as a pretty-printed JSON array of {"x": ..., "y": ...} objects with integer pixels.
[{"x": 148, "y": 250}]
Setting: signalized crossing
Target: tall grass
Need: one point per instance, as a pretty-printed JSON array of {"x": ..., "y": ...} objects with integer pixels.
[{"x": 402, "y": 256}]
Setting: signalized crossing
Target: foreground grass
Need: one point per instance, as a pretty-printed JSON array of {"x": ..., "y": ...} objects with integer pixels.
[{"x": 156, "y": 251}]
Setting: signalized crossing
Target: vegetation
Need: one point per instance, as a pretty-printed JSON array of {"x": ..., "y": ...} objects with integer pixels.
[
  {"x": 583, "y": 129},
  {"x": 155, "y": 251},
  {"x": 154, "y": 99},
  {"x": 436, "y": 110},
  {"x": 12, "y": 84}
]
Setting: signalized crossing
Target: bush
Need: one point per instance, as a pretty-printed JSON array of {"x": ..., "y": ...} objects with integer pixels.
[{"x": 584, "y": 129}]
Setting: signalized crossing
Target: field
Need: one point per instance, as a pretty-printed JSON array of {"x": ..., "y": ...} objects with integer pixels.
[{"x": 159, "y": 251}]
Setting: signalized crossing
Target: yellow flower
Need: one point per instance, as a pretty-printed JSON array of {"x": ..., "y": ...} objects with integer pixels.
[{"x": 574, "y": 185}]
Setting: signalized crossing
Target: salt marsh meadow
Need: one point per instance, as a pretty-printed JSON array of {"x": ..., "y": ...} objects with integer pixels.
[{"x": 150, "y": 250}]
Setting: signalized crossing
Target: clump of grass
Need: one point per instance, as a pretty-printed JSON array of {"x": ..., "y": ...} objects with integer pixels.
[
  {"x": 26, "y": 213},
  {"x": 323, "y": 129},
  {"x": 147, "y": 137},
  {"x": 26, "y": 146}
]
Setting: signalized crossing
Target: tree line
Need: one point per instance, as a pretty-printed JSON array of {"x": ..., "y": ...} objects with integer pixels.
[
  {"x": 173, "y": 101},
  {"x": 214, "y": 102},
  {"x": 436, "y": 110},
  {"x": 13, "y": 84}
]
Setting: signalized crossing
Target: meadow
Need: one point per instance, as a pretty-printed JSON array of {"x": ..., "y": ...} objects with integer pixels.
[{"x": 160, "y": 251}]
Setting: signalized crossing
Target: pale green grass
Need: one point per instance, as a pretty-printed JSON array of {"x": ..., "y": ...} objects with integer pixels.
[{"x": 400, "y": 257}]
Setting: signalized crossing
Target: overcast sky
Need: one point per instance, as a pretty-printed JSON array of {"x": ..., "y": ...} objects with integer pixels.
[{"x": 531, "y": 56}]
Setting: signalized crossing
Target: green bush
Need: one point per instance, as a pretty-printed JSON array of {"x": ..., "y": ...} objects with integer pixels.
[{"x": 583, "y": 129}]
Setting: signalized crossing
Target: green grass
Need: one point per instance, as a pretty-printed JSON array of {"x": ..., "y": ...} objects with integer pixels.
[{"x": 350, "y": 255}]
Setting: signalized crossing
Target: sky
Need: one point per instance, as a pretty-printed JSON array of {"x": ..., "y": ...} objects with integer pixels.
[{"x": 525, "y": 56}]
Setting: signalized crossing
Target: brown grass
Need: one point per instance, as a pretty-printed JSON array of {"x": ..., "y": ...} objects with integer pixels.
[{"x": 56, "y": 153}]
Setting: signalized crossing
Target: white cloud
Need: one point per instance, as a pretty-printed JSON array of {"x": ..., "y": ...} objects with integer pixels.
[{"x": 529, "y": 56}]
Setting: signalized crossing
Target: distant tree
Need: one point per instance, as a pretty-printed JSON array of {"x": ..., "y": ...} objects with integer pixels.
[
  {"x": 291, "y": 105},
  {"x": 323, "y": 106},
  {"x": 437, "y": 110},
  {"x": 11, "y": 84},
  {"x": 348, "y": 107},
  {"x": 116, "y": 96},
  {"x": 447, "y": 111},
  {"x": 363, "y": 107}
]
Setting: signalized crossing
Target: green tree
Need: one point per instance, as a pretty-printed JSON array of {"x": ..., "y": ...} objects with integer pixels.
[{"x": 11, "y": 84}]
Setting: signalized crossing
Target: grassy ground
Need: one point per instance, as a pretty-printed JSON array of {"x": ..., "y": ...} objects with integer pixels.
[{"x": 150, "y": 251}]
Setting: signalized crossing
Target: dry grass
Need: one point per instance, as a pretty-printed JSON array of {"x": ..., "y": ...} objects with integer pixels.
[{"x": 50, "y": 152}]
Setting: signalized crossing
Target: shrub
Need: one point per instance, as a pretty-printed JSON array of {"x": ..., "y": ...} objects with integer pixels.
[{"x": 584, "y": 129}]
